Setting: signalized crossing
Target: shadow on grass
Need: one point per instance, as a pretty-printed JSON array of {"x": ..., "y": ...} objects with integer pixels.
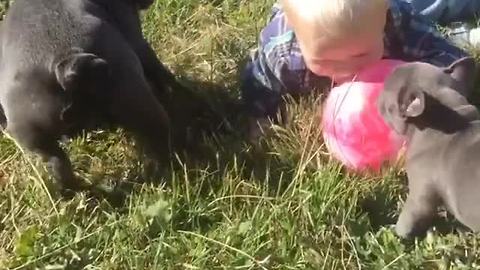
[
  {"x": 209, "y": 120},
  {"x": 382, "y": 203}
]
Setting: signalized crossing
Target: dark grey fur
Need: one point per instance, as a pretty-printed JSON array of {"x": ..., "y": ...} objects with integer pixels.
[
  {"x": 65, "y": 63},
  {"x": 442, "y": 128}
]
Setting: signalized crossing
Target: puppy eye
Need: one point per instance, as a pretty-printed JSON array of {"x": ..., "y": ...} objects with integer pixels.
[{"x": 391, "y": 109}]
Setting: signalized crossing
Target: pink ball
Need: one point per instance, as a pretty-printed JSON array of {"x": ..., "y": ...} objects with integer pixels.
[{"x": 353, "y": 129}]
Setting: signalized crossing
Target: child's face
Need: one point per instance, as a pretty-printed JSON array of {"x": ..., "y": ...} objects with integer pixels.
[
  {"x": 342, "y": 59},
  {"x": 342, "y": 54}
]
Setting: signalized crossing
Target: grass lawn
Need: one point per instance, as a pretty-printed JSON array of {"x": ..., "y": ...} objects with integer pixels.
[{"x": 283, "y": 206}]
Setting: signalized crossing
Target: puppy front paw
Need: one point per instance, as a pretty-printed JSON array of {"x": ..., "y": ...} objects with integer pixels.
[
  {"x": 404, "y": 230},
  {"x": 408, "y": 226}
]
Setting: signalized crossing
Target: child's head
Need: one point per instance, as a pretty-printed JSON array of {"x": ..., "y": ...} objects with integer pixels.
[{"x": 338, "y": 37}]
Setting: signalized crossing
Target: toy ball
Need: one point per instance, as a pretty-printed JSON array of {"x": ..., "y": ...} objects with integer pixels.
[{"x": 353, "y": 129}]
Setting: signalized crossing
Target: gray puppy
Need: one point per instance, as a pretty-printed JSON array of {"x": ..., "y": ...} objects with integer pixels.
[
  {"x": 65, "y": 63},
  {"x": 423, "y": 103}
]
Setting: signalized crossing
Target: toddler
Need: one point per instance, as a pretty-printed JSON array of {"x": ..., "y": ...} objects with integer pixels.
[{"x": 307, "y": 42}]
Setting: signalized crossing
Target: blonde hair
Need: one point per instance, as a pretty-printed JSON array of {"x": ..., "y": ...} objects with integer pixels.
[{"x": 332, "y": 18}]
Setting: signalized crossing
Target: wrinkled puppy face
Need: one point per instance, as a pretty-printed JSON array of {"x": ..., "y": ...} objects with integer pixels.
[
  {"x": 406, "y": 91},
  {"x": 403, "y": 96},
  {"x": 85, "y": 79}
]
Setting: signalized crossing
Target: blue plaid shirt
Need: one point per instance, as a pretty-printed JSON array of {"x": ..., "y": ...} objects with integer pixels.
[{"x": 277, "y": 67}]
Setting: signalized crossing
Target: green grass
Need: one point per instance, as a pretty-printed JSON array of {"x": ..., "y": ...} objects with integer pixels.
[{"x": 283, "y": 205}]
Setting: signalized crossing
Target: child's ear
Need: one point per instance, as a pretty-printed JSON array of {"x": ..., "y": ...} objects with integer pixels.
[
  {"x": 464, "y": 72},
  {"x": 414, "y": 104}
]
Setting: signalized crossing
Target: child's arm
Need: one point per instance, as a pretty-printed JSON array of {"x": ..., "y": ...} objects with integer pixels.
[
  {"x": 271, "y": 73},
  {"x": 266, "y": 78},
  {"x": 275, "y": 68}
]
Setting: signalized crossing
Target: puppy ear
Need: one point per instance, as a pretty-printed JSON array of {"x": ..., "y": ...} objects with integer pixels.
[
  {"x": 71, "y": 69},
  {"x": 460, "y": 65},
  {"x": 463, "y": 71},
  {"x": 414, "y": 105}
]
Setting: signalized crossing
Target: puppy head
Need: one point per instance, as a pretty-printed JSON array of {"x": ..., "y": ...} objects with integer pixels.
[
  {"x": 399, "y": 103},
  {"x": 80, "y": 70},
  {"x": 84, "y": 78},
  {"x": 410, "y": 87}
]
